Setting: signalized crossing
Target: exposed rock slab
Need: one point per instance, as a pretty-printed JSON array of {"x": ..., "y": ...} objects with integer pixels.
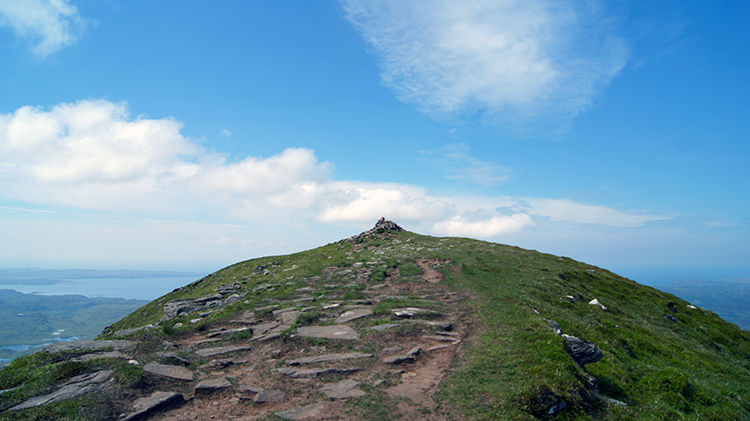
[
  {"x": 95, "y": 355},
  {"x": 210, "y": 352},
  {"x": 264, "y": 327},
  {"x": 399, "y": 359},
  {"x": 583, "y": 351},
  {"x": 77, "y": 386},
  {"x": 309, "y": 412},
  {"x": 211, "y": 386},
  {"x": 440, "y": 338},
  {"x": 409, "y": 311},
  {"x": 343, "y": 389},
  {"x": 354, "y": 314},
  {"x": 158, "y": 401},
  {"x": 269, "y": 396},
  {"x": 384, "y": 326},
  {"x": 171, "y": 371},
  {"x": 311, "y": 373},
  {"x": 117, "y": 345},
  {"x": 327, "y": 358},
  {"x": 328, "y": 332},
  {"x": 171, "y": 358}
]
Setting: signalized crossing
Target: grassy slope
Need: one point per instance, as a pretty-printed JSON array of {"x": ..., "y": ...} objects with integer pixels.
[{"x": 515, "y": 366}]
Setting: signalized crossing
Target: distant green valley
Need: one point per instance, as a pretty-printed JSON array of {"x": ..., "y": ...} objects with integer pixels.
[{"x": 32, "y": 319}]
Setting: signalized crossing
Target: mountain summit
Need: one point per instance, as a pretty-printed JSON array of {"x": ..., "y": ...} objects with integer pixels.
[{"x": 390, "y": 324}]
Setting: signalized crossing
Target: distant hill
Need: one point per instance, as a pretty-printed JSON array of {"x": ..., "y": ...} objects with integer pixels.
[{"x": 393, "y": 325}]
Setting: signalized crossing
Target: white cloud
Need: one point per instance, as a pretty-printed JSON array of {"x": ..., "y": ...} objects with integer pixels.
[
  {"x": 507, "y": 59},
  {"x": 92, "y": 156},
  {"x": 50, "y": 25},
  {"x": 485, "y": 228},
  {"x": 368, "y": 202}
]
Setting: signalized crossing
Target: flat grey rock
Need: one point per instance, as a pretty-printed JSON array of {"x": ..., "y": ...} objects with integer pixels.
[
  {"x": 328, "y": 332},
  {"x": 210, "y": 352},
  {"x": 384, "y": 326},
  {"x": 409, "y": 311},
  {"x": 264, "y": 327},
  {"x": 327, "y": 358},
  {"x": 267, "y": 337},
  {"x": 399, "y": 359},
  {"x": 171, "y": 358},
  {"x": 439, "y": 325},
  {"x": 158, "y": 401},
  {"x": 289, "y": 317},
  {"x": 95, "y": 355},
  {"x": 439, "y": 338},
  {"x": 250, "y": 389},
  {"x": 77, "y": 386},
  {"x": 117, "y": 345},
  {"x": 354, "y": 314},
  {"x": 309, "y": 412},
  {"x": 171, "y": 371},
  {"x": 269, "y": 396},
  {"x": 211, "y": 386},
  {"x": 311, "y": 373},
  {"x": 343, "y": 389},
  {"x": 414, "y": 351}
]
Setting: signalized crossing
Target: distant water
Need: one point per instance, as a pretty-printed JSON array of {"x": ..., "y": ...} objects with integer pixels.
[{"x": 144, "y": 287}]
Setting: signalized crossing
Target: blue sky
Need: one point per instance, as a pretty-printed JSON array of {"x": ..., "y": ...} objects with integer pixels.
[{"x": 182, "y": 135}]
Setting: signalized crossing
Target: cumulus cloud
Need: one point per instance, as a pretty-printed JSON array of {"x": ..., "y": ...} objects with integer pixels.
[
  {"x": 367, "y": 202},
  {"x": 507, "y": 59},
  {"x": 50, "y": 25},
  {"x": 93, "y": 155}
]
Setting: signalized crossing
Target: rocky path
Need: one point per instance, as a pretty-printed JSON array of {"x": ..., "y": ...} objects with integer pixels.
[
  {"x": 347, "y": 351},
  {"x": 343, "y": 344}
]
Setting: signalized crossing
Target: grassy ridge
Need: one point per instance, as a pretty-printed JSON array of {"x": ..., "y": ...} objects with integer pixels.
[{"x": 514, "y": 366}]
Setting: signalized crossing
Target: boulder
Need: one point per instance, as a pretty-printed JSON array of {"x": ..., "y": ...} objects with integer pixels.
[{"x": 582, "y": 351}]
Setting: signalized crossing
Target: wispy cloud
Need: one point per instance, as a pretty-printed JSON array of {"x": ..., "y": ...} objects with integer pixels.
[
  {"x": 569, "y": 211},
  {"x": 458, "y": 163},
  {"x": 50, "y": 25},
  {"x": 510, "y": 60},
  {"x": 92, "y": 155}
]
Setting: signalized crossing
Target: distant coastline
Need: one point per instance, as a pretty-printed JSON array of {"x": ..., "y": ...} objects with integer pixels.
[{"x": 128, "y": 284}]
